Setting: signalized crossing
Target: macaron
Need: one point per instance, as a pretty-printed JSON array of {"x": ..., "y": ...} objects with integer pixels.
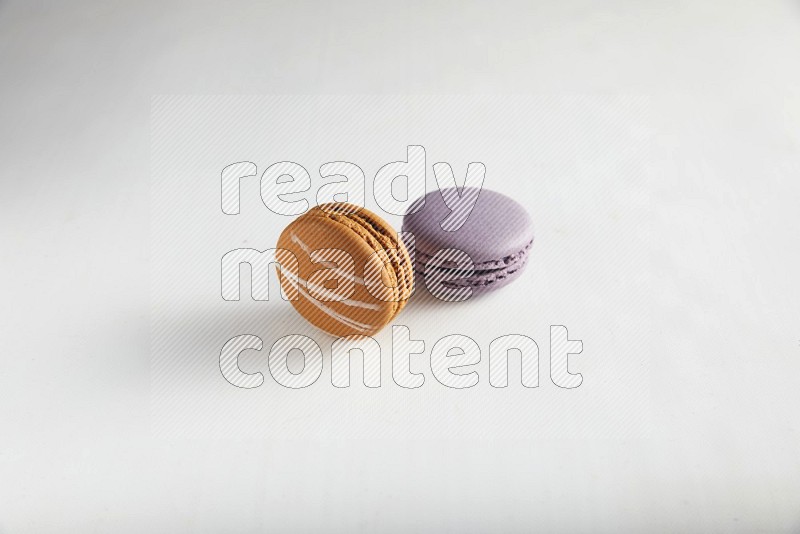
[
  {"x": 351, "y": 274},
  {"x": 496, "y": 236}
]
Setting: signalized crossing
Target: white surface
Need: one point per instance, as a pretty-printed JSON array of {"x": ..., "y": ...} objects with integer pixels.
[
  {"x": 77, "y": 450},
  {"x": 579, "y": 165}
]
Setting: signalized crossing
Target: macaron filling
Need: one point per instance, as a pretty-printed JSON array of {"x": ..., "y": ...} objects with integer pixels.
[{"x": 483, "y": 274}]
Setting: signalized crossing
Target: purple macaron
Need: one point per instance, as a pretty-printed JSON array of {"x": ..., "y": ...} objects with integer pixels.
[{"x": 496, "y": 235}]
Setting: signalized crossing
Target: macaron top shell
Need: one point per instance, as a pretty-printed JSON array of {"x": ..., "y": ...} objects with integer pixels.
[{"x": 497, "y": 230}]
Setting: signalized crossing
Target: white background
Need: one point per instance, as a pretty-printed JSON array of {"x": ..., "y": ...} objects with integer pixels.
[
  {"x": 78, "y": 448},
  {"x": 579, "y": 165}
]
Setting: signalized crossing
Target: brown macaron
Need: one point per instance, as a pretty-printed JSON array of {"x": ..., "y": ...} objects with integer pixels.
[{"x": 351, "y": 275}]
